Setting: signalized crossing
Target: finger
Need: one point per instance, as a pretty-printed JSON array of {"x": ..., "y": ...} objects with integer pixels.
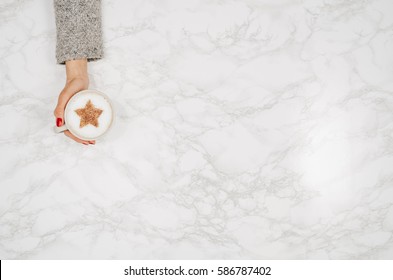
[
  {"x": 69, "y": 90},
  {"x": 73, "y": 137},
  {"x": 72, "y": 87},
  {"x": 59, "y": 114}
]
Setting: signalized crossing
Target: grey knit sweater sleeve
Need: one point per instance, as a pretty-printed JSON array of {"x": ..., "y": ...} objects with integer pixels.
[{"x": 78, "y": 30}]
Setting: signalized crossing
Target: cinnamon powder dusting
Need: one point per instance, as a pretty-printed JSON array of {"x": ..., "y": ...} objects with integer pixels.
[{"x": 89, "y": 114}]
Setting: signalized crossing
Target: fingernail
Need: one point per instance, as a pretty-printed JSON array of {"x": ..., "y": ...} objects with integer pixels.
[{"x": 59, "y": 121}]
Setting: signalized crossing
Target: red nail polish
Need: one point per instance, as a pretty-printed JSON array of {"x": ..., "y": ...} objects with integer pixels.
[{"x": 59, "y": 121}]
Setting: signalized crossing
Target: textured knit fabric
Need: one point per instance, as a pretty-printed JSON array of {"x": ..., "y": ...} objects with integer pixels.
[{"x": 78, "y": 30}]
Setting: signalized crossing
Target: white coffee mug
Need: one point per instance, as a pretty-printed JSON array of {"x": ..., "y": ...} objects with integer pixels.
[{"x": 88, "y": 115}]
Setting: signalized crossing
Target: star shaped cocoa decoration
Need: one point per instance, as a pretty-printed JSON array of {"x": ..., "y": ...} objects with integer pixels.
[{"x": 89, "y": 114}]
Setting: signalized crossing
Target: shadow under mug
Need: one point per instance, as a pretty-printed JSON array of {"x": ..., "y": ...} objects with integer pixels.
[{"x": 72, "y": 120}]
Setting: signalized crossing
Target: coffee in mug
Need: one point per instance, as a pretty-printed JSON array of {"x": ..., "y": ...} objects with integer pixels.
[{"x": 88, "y": 115}]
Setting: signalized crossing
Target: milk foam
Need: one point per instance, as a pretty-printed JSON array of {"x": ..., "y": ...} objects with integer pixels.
[{"x": 73, "y": 120}]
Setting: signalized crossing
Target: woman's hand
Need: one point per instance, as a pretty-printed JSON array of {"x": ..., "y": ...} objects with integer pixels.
[{"x": 77, "y": 80}]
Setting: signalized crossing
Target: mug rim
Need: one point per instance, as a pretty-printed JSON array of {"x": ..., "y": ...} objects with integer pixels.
[{"x": 67, "y": 110}]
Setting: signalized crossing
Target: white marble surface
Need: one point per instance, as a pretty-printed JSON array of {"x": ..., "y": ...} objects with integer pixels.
[{"x": 254, "y": 129}]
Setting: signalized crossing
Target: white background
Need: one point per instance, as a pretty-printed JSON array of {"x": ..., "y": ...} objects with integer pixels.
[
  {"x": 280, "y": 270},
  {"x": 247, "y": 129}
]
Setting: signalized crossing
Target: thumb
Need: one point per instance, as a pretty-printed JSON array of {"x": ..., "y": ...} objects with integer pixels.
[{"x": 59, "y": 114}]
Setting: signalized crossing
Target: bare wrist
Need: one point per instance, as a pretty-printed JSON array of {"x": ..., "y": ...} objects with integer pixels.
[{"x": 76, "y": 69}]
